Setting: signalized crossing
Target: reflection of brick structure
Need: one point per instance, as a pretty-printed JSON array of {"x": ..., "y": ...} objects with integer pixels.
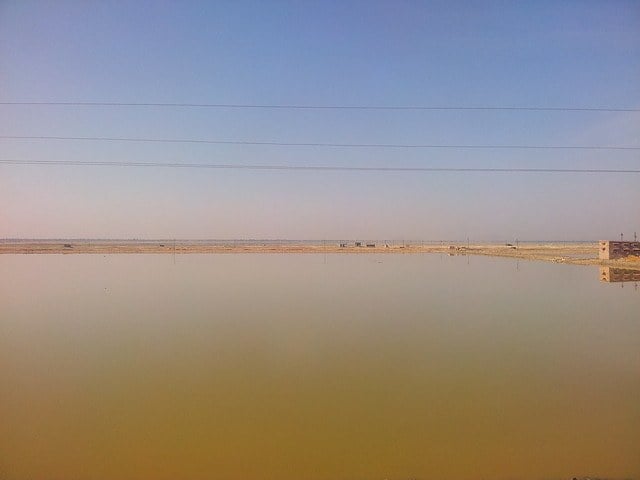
[
  {"x": 609, "y": 274},
  {"x": 609, "y": 250}
]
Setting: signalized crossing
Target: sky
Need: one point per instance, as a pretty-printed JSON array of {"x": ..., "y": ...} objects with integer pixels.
[{"x": 357, "y": 53}]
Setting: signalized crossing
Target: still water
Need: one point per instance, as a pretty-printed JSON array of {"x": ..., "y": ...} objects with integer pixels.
[{"x": 314, "y": 367}]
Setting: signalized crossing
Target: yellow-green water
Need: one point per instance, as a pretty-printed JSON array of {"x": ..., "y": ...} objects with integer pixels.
[{"x": 313, "y": 367}]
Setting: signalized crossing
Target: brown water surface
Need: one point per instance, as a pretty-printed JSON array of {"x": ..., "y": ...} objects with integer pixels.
[{"x": 287, "y": 367}]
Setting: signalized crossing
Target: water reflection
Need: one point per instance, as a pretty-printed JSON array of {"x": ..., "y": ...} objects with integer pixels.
[{"x": 615, "y": 275}]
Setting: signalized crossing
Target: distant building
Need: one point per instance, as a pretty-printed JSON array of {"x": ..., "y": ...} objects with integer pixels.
[
  {"x": 609, "y": 250},
  {"x": 358, "y": 244},
  {"x": 370, "y": 245}
]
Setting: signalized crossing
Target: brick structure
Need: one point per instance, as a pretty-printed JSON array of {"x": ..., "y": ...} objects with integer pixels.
[{"x": 609, "y": 250}]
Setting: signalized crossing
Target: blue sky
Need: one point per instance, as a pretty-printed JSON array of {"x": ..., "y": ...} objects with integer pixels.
[{"x": 547, "y": 54}]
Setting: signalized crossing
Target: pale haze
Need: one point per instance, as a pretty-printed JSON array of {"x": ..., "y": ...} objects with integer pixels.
[{"x": 538, "y": 54}]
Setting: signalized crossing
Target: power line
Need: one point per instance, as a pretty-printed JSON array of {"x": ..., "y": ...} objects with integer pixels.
[
  {"x": 319, "y": 144},
  {"x": 325, "y": 107},
  {"x": 313, "y": 167}
]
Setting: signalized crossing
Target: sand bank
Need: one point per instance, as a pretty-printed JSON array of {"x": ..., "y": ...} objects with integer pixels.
[{"x": 576, "y": 254}]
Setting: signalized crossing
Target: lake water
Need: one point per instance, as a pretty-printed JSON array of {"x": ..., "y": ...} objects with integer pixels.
[{"x": 315, "y": 367}]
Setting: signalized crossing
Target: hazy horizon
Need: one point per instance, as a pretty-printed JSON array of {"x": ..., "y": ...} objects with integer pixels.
[{"x": 304, "y": 240}]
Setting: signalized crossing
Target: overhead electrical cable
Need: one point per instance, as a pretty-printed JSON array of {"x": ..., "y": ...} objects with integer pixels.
[
  {"x": 230, "y": 166},
  {"x": 327, "y": 107},
  {"x": 320, "y": 144}
]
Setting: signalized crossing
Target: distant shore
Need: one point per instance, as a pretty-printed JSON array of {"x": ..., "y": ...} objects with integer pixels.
[{"x": 569, "y": 253}]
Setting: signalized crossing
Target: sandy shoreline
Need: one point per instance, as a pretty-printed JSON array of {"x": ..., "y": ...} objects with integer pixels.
[{"x": 576, "y": 254}]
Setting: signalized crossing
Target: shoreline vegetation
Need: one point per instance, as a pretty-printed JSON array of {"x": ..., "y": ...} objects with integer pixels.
[{"x": 567, "y": 253}]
